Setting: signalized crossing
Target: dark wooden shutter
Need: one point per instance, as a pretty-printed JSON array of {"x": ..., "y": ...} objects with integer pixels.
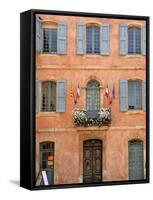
[
  {"x": 144, "y": 40},
  {"x": 80, "y": 31},
  {"x": 123, "y": 95},
  {"x": 105, "y": 39},
  {"x": 60, "y": 96},
  {"x": 123, "y": 39},
  {"x": 61, "y": 37},
  {"x": 144, "y": 95},
  {"x": 38, "y": 35}
]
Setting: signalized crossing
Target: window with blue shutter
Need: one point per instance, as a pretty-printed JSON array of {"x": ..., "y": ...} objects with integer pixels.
[
  {"x": 48, "y": 96},
  {"x": 37, "y": 95},
  {"x": 134, "y": 95},
  {"x": 50, "y": 40},
  {"x": 38, "y": 35},
  {"x": 61, "y": 37},
  {"x": 80, "y": 37},
  {"x": 123, "y": 39},
  {"x": 105, "y": 39},
  {"x": 60, "y": 96},
  {"x": 144, "y": 95},
  {"x": 123, "y": 95},
  {"x": 144, "y": 40},
  {"x": 92, "y": 39},
  {"x": 134, "y": 40}
]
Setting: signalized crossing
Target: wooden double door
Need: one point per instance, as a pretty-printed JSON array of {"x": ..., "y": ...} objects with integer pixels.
[{"x": 92, "y": 161}]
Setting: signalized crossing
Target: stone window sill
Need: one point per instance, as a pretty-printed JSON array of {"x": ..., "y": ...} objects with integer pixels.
[
  {"x": 133, "y": 112},
  {"x": 47, "y": 114}
]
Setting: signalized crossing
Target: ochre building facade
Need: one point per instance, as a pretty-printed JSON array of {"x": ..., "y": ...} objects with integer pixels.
[{"x": 79, "y": 61}]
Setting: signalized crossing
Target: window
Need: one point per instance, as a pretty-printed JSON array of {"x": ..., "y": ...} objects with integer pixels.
[
  {"x": 48, "y": 96},
  {"x": 47, "y": 161},
  {"x": 50, "y": 40},
  {"x": 135, "y": 159},
  {"x": 134, "y": 95},
  {"x": 93, "y": 96},
  {"x": 93, "y": 40},
  {"x": 46, "y": 150},
  {"x": 134, "y": 40}
]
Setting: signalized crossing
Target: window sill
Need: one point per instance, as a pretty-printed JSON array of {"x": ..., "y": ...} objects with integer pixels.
[
  {"x": 94, "y": 55},
  {"x": 134, "y": 56},
  {"x": 133, "y": 112},
  {"x": 47, "y": 114}
]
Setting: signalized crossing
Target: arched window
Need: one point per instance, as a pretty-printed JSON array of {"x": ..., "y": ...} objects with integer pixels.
[
  {"x": 135, "y": 159},
  {"x": 135, "y": 95},
  {"x": 50, "y": 40},
  {"x": 134, "y": 40},
  {"x": 47, "y": 160},
  {"x": 93, "y": 95},
  {"x": 48, "y": 96},
  {"x": 93, "y": 39}
]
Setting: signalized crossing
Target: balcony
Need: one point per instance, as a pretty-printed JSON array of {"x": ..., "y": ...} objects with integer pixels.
[{"x": 101, "y": 117}]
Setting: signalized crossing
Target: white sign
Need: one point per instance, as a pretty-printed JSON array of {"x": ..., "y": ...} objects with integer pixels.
[{"x": 44, "y": 175}]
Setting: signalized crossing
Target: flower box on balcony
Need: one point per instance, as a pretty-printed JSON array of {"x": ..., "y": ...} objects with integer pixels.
[{"x": 86, "y": 118}]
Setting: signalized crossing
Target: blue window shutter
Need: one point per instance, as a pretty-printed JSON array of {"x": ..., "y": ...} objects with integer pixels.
[
  {"x": 123, "y": 95},
  {"x": 37, "y": 95},
  {"x": 123, "y": 39},
  {"x": 60, "y": 96},
  {"x": 144, "y": 95},
  {"x": 61, "y": 37},
  {"x": 105, "y": 39},
  {"x": 144, "y": 40},
  {"x": 80, "y": 31},
  {"x": 38, "y": 35}
]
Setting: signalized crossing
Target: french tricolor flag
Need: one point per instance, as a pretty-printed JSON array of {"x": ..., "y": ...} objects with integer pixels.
[
  {"x": 107, "y": 91},
  {"x": 78, "y": 91}
]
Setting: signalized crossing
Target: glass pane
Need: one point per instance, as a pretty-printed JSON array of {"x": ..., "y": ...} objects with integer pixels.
[
  {"x": 131, "y": 41},
  {"x": 96, "y": 40},
  {"x": 93, "y": 96},
  {"x": 134, "y": 40},
  {"x": 53, "y": 40},
  {"x": 46, "y": 41},
  {"x": 89, "y": 39},
  {"x": 138, "y": 41}
]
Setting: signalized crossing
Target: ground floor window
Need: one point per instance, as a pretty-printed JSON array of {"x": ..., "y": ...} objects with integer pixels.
[
  {"x": 136, "y": 159},
  {"x": 47, "y": 160}
]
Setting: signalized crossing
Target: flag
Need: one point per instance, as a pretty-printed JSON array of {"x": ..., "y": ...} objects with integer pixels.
[
  {"x": 78, "y": 91},
  {"x": 71, "y": 91},
  {"x": 106, "y": 91},
  {"x": 113, "y": 92}
]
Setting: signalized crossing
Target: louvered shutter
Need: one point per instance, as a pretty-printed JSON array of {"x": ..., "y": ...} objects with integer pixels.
[
  {"x": 144, "y": 40},
  {"x": 37, "y": 95},
  {"x": 105, "y": 39},
  {"x": 60, "y": 96},
  {"x": 144, "y": 95},
  {"x": 61, "y": 37},
  {"x": 123, "y": 95},
  {"x": 38, "y": 35},
  {"x": 123, "y": 39},
  {"x": 80, "y": 31}
]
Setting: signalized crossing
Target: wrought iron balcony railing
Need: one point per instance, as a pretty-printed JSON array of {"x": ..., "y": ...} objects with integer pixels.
[{"x": 82, "y": 117}]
